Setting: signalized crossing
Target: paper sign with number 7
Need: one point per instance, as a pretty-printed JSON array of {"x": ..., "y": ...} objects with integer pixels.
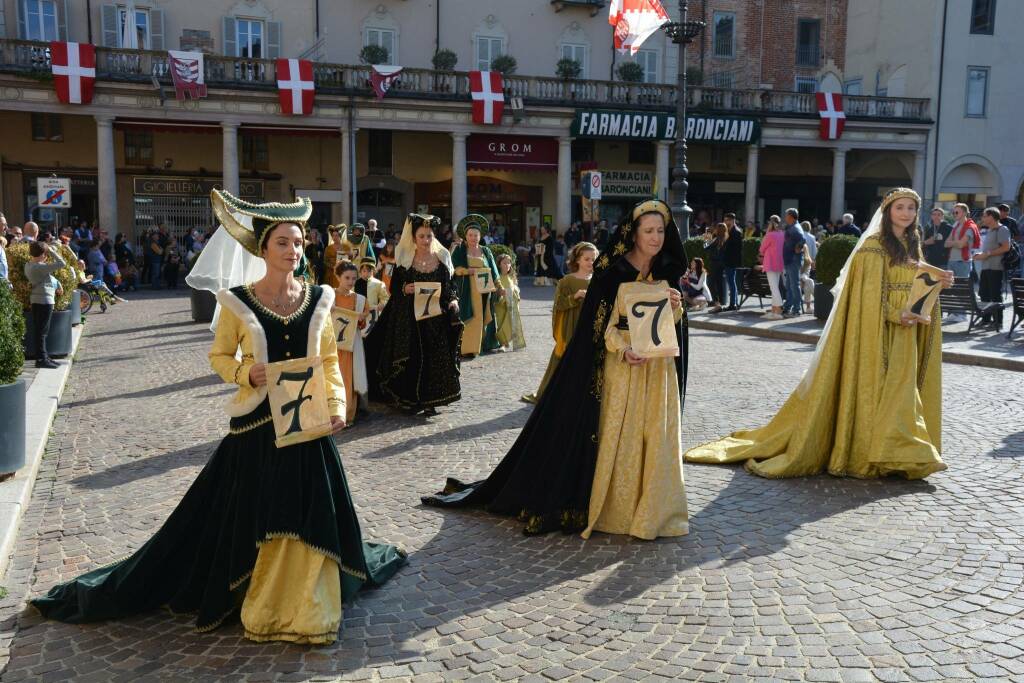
[
  {"x": 297, "y": 392},
  {"x": 482, "y": 280},
  {"x": 346, "y": 327},
  {"x": 650, "y": 319},
  {"x": 427, "y": 300}
]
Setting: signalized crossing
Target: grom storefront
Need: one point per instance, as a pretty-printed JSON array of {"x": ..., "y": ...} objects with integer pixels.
[
  {"x": 623, "y": 146},
  {"x": 515, "y": 171},
  {"x": 180, "y": 203}
]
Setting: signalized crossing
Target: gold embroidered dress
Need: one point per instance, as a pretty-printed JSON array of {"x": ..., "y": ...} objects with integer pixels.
[
  {"x": 874, "y": 405},
  {"x": 638, "y": 483},
  {"x": 564, "y": 316}
]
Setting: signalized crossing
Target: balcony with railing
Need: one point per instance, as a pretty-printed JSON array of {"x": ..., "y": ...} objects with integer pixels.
[{"x": 32, "y": 59}]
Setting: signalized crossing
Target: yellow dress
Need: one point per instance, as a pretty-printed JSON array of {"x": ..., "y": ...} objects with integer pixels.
[
  {"x": 473, "y": 334},
  {"x": 564, "y": 316},
  {"x": 874, "y": 406},
  {"x": 330, "y": 263},
  {"x": 638, "y": 481}
]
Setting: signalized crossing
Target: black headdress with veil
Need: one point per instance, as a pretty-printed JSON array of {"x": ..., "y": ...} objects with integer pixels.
[{"x": 545, "y": 478}]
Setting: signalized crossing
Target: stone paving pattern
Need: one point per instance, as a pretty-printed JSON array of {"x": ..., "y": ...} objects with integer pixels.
[{"x": 817, "y": 579}]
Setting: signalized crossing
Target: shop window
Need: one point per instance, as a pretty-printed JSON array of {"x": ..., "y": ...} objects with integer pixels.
[
  {"x": 39, "y": 20},
  {"x": 725, "y": 34},
  {"x": 255, "y": 153},
  {"x": 977, "y": 90},
  {"x": 47, "y": 127},
  {"x": 720, "y": 158},
  {"x": 380, "y": 157},
  {"x": 983, "y": 17},
  {"x": 138, "y": 148},
  {"x": 583, "y": 149},
  {"x": 641, "y": 152}
]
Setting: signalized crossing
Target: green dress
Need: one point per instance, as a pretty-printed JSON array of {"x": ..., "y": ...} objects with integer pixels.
[{"x": 249, "y": 493}]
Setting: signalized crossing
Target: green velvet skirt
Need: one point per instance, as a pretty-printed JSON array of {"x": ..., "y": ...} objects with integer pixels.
[{"x": 202, "y": 557}]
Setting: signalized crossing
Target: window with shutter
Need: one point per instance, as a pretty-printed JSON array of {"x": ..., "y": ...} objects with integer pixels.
[
  {"x": 142, "y": 31},
  {"x": 228, "y": 35},
  {"x": 273, "y": 50},
  {"x": 108, "y": 14},
  {"x": 156, "y": 26}
]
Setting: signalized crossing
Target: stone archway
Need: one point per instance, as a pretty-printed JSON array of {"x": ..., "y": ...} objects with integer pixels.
[{"x": 971, "y": 174}]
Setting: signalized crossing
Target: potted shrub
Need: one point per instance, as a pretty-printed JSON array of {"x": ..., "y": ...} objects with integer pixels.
[
  {"x": 373, "y": 54},
  {"x": 12, "y": 387},
  {"x": 444, "y": 60},
  {"x": 568, "y": 68},
  {"x": 832, "y": 255},
  {"x": 58, "y": 341},
  {"x": 630, "y": 72},
  {"x": 694, "y": 248},
  {"x": 504, "y": 64},
  {"x": 203, "y": 302}
]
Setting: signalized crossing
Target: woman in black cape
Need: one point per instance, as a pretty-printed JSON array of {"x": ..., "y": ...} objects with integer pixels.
[{"x": 545, "y": 479}]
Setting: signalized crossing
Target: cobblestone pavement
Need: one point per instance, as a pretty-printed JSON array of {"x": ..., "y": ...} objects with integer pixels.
[{"x": 816, "y": 579}]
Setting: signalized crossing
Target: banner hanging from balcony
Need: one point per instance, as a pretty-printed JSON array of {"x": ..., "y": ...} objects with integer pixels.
[
  {"x": 487, "y": 88},
  {"x": 382, "y": 78},
  {"x": 74, "y": 71},
  {"x": 188, "y": 74},
  {"x": 634, "y": 22},
  {"x": 648, "y": 125},
  {"x": 295, "y": 86},
  {"x": 833, "y": 118}
]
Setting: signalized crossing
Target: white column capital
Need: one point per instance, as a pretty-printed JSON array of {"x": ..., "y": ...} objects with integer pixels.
[
  {"x": 229, "y": 124},
  {"x": 458, "y": 135},
  {"x": 839, "y": 151},
  {"x": 104, "y": 120}
]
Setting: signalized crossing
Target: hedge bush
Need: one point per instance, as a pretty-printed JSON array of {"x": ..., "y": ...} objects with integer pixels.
[
  {"x": 832, "y": 255},
  {"x": 444, "y": 60},
  {"x": 504, "y": 64},
  {"x": 18, "y": 256},
  {"x": 751, "y": 251},
  {"x": 12, "y": 333}
]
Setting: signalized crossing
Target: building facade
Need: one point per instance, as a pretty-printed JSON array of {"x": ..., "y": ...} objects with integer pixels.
[
  {"x": 137, "y": 156},
  {"x": 964, "y": 58}
]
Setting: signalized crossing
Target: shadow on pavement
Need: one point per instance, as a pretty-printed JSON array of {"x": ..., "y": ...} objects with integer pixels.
[{"x": 207, "y": 381}]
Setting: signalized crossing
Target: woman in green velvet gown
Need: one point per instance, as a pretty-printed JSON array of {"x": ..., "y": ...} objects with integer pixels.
[{"x": 265, "y": 531}]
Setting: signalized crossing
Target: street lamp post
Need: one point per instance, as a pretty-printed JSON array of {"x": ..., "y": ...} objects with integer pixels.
[{"x": 682, "y": 33}]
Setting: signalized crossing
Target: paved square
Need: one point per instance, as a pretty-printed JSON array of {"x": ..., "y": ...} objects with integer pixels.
[{"x": 815, "y": 579}]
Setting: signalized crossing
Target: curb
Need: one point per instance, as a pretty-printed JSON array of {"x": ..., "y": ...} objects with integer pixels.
[
  {"x": 948, "y": 356},
  {"x": 41, "y": 401}
]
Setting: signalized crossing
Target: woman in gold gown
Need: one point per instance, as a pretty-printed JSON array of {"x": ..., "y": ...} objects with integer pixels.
[
  {"x": 332, "y": 256},
  {"x": 569, "y": 294},
  {"x": 871, "y": 403}
]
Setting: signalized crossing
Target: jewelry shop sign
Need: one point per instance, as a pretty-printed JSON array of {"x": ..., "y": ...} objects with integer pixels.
[
  {"x": 167, "y": 185},
  {"x": 648, "y": 125}
]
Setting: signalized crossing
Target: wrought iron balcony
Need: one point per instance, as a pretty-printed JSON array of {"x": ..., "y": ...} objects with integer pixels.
[{"x": 32, "y": 60}]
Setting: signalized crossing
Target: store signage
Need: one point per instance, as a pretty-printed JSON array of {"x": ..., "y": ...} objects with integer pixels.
[
  {"x": 627, "y": 184},
  {"x": 642, "y": 125},
  {"x": 159, "y": 185},
  {"x": 512, "y": 152}
]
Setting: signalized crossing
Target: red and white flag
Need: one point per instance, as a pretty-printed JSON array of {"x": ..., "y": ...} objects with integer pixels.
[
  {"x": 382, "y": 78},
  {"x": 635, "y": 21},
  {"x": 295, "y": 86},
  {"x": 833, "y": 119},
  {"x": 488, "y": 92},
  {"x": 74, "y": 71},
  {"x": 187, "y": 73}
]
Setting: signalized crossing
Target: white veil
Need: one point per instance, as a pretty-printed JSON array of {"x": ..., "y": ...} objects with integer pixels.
[
  {"x": 838, "y": 292},
  {"x": 407, "y": 245},
  {"x": 224, "y": 263}
]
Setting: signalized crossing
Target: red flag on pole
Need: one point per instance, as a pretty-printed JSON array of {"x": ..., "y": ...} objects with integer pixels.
[
  {"x": 635, "y": 21},
  {"x": 382, "y": 78},
  {"x": 74, "y": 71},
  {"x": 295, "y": 86},
  {"x": 833, "y": 118},
  {"x": 487, "y": 88}
]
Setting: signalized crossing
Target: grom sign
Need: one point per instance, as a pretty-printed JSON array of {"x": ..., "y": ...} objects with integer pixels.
[{"x": 648, "y": 125}]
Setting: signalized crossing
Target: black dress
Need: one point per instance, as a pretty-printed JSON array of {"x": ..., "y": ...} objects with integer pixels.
[
  {"x": 413, "y": 364},
  {"x": 548, "y": 264},
  {"x": 546, "y": 477},
  {"x": 250, "y": 491}
]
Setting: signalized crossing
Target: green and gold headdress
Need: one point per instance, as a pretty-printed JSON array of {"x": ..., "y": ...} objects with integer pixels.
[
  {"x": 473, "y": 220},
  {"x": 250, "y": 224}
]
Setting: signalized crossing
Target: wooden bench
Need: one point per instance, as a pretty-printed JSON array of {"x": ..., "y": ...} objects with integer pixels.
[
  {"x": 1017, "y": 292},
  {"x": 755, "y": 283},
  {"x": 961, "y": 298}
]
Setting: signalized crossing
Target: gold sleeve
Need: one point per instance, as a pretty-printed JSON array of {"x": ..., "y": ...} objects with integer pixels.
[
  {"x": 614, "y": 339},
  {"x": 231, "y": 335},
  {"x": 332, "y": 373}
]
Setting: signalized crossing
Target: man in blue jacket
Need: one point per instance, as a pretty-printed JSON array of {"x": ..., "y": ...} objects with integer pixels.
[{"x": 792, "y": 261}]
